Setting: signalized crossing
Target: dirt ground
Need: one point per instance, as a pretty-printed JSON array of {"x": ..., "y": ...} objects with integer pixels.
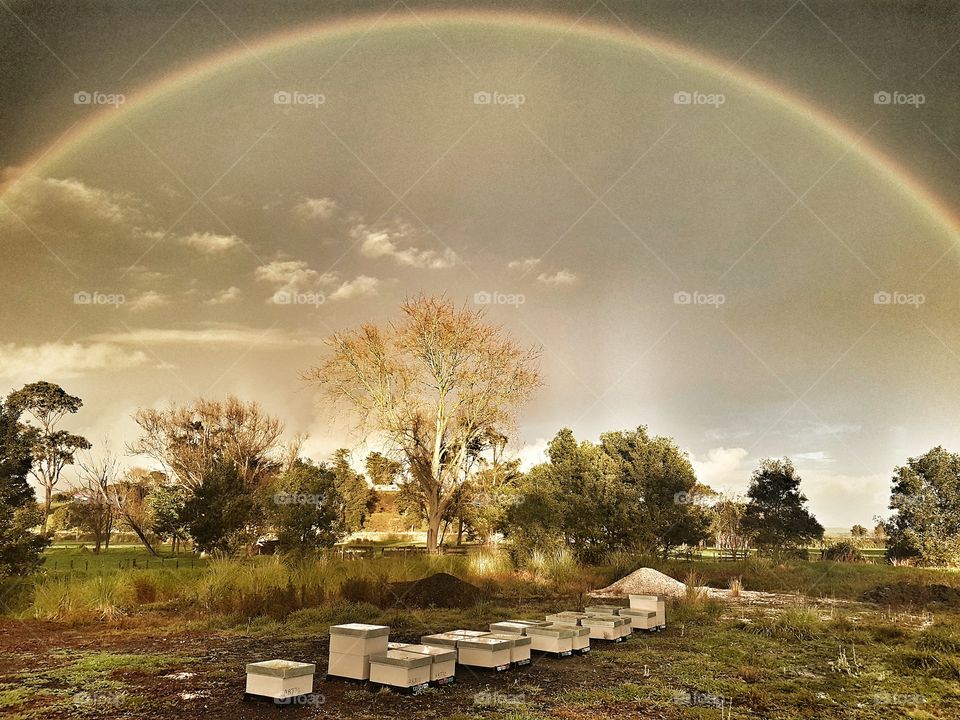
[{"x": 213, "y": 686}]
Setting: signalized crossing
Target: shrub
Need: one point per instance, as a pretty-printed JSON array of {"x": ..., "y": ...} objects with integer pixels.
[{"x": 843, "y": 551}]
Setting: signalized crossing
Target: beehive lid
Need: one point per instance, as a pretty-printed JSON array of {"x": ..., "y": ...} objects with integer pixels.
[
  {"x": 470, "y": 633},
  {"x": 605, "y": 621},
  {"x": 535, "y": 623},
  {"x": 629, "y": 612},
  {"x": 401, "y": 658},
  {"x": 577, "y": 630},
  {"x": 603, "y": 609},
  {"x": 509, "y": 627},
  {"x": 555, "y": 631},
  {"x": 436, "y": 652},
  {"x": 487, "y": 642},
  {"x": 654, "y": 598},
  {"x": 515, "y": 640},
  {"x": 447, "y": 639},
  {"x": 397, "y": 646},
  {"x": 281, "y": 668},
  {"x": 360, "y": 630}
]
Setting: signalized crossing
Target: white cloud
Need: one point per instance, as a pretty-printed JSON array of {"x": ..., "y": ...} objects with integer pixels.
[
  {"x": 221, "y": 335},
  {"x": 393, "y": 243},
  {"x": 225, "y": 297},
  {"x": 210, "y": 243},
  {"x": 817, "y": 456},
  {"x": 293, "y": 276},
  {"x": 54, "y": 361},
  {"x": 149, "y": 300},
  {"x": 560, "y": 277},
  {"x": 360, "y": 286},
  {"x": 315, "y": 209},
  {"x": 72, "y": 197},
  {"x": 523, "y": 265},
  {"x": 723, "y": 469},
  {"x": 532, "y": 454}
]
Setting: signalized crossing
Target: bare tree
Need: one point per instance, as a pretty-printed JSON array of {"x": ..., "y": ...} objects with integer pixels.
[
  {"x": 188, "y": 440},
  {"x": 437, "y": 384},
  {"x": 129, "y": 499},
  {"x": 97, "y": 478}
]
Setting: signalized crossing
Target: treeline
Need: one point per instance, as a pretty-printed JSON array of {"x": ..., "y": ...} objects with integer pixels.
[{"x": 441, "y": 388}]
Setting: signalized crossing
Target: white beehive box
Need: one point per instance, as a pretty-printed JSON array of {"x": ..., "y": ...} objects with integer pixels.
[
  {"x": 607, "y": 627},
  {"x": 444, "y": 661},
  {"x": 280, "y": 679},
  {"x": 484, "y": 652},
  {"x": 651, "y": 602},
  {"x": 470, "y": 633},
  {"x": 444, "y": 639},
  {"x": 581, "y": 639},
  {"x": 641, "y": 619},
  {"x": 566, "y": 618},
  {"x": 509, "y": 627},
  {"x": 352, "y": 645},
  {"x": 401, "y": 668},
  {"x": 551, "y": 639},
  {"x": 519, "y": 647}
]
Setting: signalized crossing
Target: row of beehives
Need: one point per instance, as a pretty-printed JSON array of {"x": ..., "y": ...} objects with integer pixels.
[{"x": 364, "y": 652}]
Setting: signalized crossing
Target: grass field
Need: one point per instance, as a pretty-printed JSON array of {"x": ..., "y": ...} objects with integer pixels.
[{"x": 168, "y": 642}]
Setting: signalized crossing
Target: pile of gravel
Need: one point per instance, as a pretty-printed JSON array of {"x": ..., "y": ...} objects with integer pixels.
[{"x": 645, "y": 581}]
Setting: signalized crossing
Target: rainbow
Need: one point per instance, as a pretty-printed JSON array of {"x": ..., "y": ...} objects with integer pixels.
[{"x": 104, "y": 120}]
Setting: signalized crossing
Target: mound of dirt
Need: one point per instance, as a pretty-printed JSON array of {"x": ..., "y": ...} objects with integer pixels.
[
  {"x": 905, "y": 593},
  {"x": 645, "y": 581},
  {"x": 438, "y": 590}
]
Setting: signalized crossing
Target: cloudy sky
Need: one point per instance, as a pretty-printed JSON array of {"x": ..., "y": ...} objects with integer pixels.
[{"x": 732, "y": 222}]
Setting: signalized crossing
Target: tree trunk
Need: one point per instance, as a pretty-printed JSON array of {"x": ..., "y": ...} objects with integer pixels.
[
  {"x": 47, "y": 501},
  {"x": 459, "y": 532},
  {"x": 433, "y": 533},
  {"x": 143, "y": 539}
]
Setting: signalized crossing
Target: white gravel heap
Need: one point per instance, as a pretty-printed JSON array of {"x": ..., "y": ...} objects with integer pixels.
[{"x": 645, "y": 581}]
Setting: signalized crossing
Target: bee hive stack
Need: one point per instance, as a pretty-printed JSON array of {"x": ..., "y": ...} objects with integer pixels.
[{"x": 351, "y": 646}]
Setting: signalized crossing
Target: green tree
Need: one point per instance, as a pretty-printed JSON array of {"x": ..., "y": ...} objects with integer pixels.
[
  {"x": 167, "y": 502},
  {"x": 660, "y": 475},
  {"x": 305, "y": 508},
  {"x": 20, "y": 548},
  {"x": 775, "y": 515},
  {"x": 925, "y": 498},
  {"x": 629, "y": 492},
  {"x": 726, "y": 525},
  {"x": 220, "y": 511},
  {"x": 858, "y": 531},
  {"x": 358, "y": 497},
  {"x": 47, "y": 404}
]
